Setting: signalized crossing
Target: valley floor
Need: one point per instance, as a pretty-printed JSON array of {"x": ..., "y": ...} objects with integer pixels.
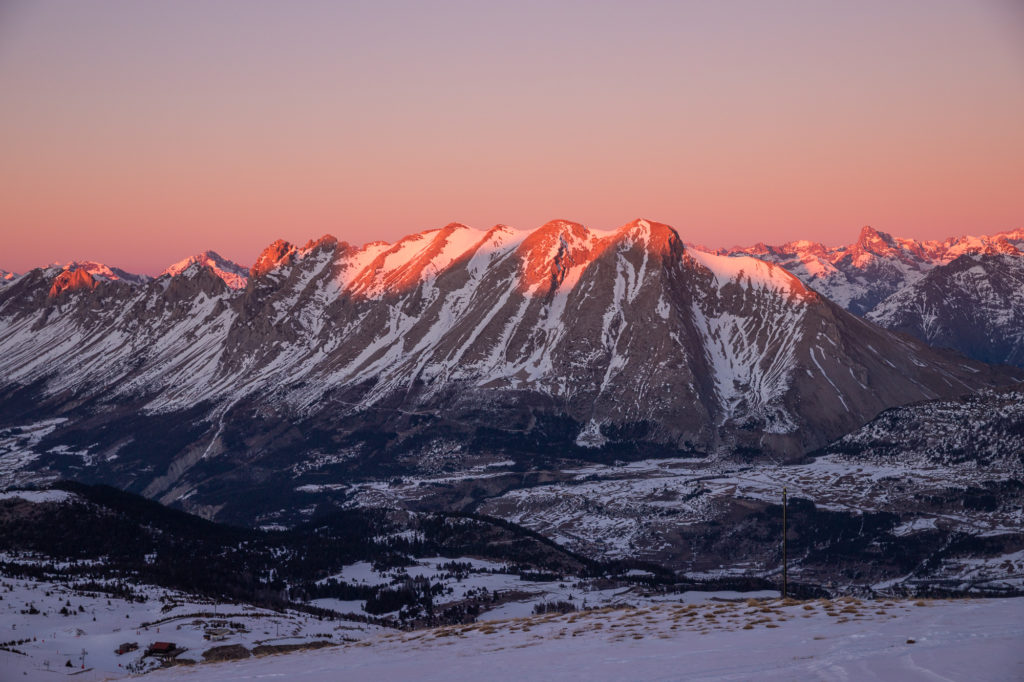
[{"x": 845, "y": 639}]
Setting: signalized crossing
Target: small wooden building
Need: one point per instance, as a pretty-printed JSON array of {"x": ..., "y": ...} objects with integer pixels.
[
  {"x": 126, "y": 647},
  {"x": 161, "y": 649}
]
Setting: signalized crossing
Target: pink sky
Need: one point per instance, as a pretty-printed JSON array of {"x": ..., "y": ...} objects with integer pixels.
[{"x": 138, "y": 133}]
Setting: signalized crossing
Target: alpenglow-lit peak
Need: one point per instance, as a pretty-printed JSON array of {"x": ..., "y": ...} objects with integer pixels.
[
  {"x": 233, "y": 274},
  {"x": 105, "y": 273}
]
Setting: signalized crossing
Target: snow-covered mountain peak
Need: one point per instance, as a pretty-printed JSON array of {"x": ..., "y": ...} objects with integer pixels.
[
  {"x": 233, "y": 274},
  {"x": 78, "y": 275},
  {"x": 953, "y": 248},
  {"x": 654, "y": 236},
  {"x": 105, "y": 273},
  {"x": 874, "y": 241},
  {"x": 379, "y": 268},
  {"x": 806, "y": 246}
]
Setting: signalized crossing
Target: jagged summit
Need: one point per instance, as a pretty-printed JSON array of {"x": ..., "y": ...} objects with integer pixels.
[
  {"x": 72, "y": 279},
  {"x": 106, "y": 273},
  {"x": 277, "y": 254},
  {"x": 233, "y": 274}
]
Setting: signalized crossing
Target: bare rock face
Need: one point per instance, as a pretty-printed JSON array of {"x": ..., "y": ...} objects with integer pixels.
[
  {"x": 278, "y": 253},
  {"x": 73, "y": 279},
  {"x": 563, "y": 339}
]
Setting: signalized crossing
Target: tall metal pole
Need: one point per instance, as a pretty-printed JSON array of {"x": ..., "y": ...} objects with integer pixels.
[{"x": 785, "y": 576}]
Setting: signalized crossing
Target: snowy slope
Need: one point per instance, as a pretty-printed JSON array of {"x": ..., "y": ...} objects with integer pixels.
[
  {"x": 97, "y": 623},
  {"x": 691, "y": 636},
  {"x": 975, "y": 640}
]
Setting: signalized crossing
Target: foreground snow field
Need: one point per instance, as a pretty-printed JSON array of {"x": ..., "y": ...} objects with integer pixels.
[
  {"x": 763, "y": 640},
  {"x": 45, "y": 625}
]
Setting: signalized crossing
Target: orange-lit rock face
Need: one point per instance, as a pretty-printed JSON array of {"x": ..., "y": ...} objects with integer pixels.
[
  {"x": 72, "y": 280},
  {"x": 551, "y": 258},
  {"x": 278, "y": 253},
  {"x": 550, "y": 252}
]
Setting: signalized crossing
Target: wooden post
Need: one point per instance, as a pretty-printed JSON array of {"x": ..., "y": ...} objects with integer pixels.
[{"x": 785, "y": 577}]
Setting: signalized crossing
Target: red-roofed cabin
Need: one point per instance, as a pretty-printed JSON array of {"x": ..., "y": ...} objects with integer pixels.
[{"x": 161, "y": 648}]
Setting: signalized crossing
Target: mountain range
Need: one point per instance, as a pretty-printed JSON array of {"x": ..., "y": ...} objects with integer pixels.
[
  {"x": 960, "y": 293},
  {"x": 978, "y": 318},
  {"x": 336, "y": 361},
  {"x": 861, "y": 275}
]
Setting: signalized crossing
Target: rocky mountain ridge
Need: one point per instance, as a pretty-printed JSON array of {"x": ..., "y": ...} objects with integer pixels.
[
  {"x": 974, "y": 304},
  {"x": 595, "y": 344},
  {"x": 959, "y": 293},
  {"x": 861, "y": 275}
]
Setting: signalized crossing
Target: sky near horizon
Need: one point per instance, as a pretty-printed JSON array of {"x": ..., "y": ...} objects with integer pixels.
[{"x": 139, "y": 133}]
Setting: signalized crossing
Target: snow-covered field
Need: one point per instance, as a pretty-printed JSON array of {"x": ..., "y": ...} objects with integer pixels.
[
  {"x": 773, "y": 640},
  {"x": 97, "y": 624},
  {"x": 626, "y": 632}
]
